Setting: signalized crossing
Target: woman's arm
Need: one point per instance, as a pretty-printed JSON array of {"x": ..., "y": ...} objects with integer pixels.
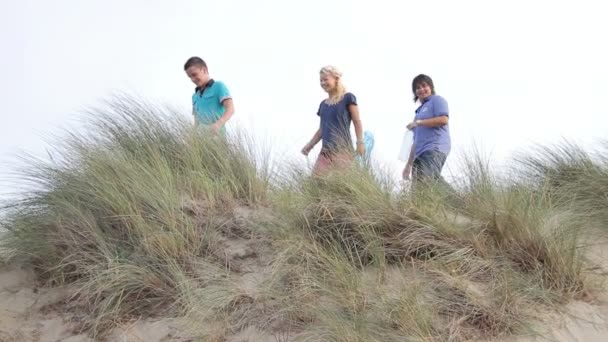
[
  {"x": 315, "y": 138},
  {"x": 407, "y": 170},
  {"x": 356, "y": 117},
  {"x": 311, "y": 144},
  {"x": 433, "y": 122},
  {"x": 440, "y": 114}
]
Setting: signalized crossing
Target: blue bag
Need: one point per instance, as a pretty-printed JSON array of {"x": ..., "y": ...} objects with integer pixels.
[{"x": 368, "y": 142}]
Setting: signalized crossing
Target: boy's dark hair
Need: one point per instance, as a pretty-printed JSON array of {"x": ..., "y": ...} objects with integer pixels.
[
  {"x": 195, "y": 61},
  {"x": 422, "y": 78}
]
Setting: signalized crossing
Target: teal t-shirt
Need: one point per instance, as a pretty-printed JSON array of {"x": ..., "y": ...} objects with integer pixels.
[{"x": 207, "y": 102}]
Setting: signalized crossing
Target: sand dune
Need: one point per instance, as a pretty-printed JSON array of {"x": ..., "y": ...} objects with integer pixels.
[
  {"x": 41, "y": 314},
  {"x": 583, "y": 322},
  {"x": 29, "y": 313}
]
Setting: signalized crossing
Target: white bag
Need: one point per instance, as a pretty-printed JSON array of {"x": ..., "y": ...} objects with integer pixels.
[{"x": 406, "y": 146}]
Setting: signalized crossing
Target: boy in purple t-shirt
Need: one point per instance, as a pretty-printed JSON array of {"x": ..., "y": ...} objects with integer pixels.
[{"x": 432, "y": 142}]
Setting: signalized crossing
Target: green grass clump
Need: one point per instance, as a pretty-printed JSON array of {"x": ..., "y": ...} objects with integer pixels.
[
  {"x": 577, "y": 178},
  {"x": 148, "y": 216},
  {"x": 362, "y": 263},
  {"x": 130, "y": 205}
]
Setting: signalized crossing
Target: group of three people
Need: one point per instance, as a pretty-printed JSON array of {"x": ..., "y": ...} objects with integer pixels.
[{"x": 212, "y": 106}]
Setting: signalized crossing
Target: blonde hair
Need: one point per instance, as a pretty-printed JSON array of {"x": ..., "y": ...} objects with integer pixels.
[{"x": 341, "y": 90}]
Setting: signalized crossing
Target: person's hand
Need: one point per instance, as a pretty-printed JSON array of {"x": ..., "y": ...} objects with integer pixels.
[
  {"x": 407, "y": 171},
  {"x": 412, "y": 125},
  {"x": 306, "y": 150},
  {"x": 361, "y": 149},
  {"x": 216, "y": 127}
]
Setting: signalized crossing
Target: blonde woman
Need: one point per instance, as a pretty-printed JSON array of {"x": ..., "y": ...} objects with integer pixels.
[{"x": 336, "y": 114}]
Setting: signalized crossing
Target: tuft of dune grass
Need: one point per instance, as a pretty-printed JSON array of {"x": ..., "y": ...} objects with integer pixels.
[
  {"x": 576, "y": 177},
  {"x": 140, "y": 210},
  {"x": 130, "y": 205},
  {"x": 480, "y": 264}
]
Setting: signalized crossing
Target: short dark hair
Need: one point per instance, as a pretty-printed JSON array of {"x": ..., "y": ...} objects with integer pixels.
[
  {"x": 192, "y": 61},
  {"x": 422, "y": 78}
]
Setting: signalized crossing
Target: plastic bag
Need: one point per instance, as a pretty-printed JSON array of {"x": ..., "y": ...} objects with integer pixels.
[
  {"x": 368, "y": 142},
  {"x": 406, "y": 146}
]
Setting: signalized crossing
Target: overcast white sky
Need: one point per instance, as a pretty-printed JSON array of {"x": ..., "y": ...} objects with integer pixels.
[{"x": 513, "y": 72}]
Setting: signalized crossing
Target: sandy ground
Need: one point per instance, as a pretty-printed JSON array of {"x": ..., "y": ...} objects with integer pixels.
[
  {"x": 40, "y": 314},
  {"x": 584, "y": 322},
  {"x": 28, "y": 314}
]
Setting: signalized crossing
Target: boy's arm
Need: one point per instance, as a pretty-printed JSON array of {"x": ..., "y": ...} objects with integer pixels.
[
  {"x": 226, "y": 100},
  {"x": 229, "y": 105},
  {"x": 194, "y": 115}
]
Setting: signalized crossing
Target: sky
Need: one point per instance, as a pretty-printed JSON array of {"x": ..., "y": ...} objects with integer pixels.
[{"x": 514, "y": 72}]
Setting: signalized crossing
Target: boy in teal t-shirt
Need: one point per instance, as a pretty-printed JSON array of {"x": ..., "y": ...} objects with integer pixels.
[{"x": 212, "y": 103}]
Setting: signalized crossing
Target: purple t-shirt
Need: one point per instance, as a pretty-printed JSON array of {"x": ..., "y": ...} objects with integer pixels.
[
  {"x": 335, "y": 124},
  {"x": 435, "y": 138}
]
